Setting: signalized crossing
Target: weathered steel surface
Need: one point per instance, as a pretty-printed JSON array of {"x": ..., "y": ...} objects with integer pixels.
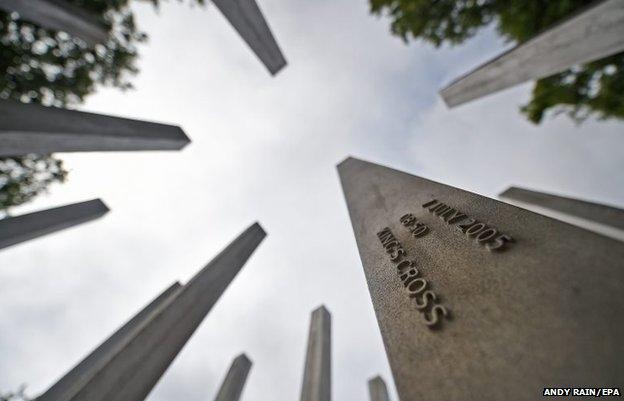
[
  {"x": 603, "y": 219},
  {"x": 234, "y": 382},
  {"x": 377, "y": 389},
  {"x": 590, "y": 35},
  {"x": 246, "y": 17},
  {"x": 134, "y": 369},
  {"x": 73, "y": 380},
  {"x": 14, "y": 230},
  {"x": 317, "y": 372},
  {"x": 30, "y": 128},
  {"x": 477, "y": 299},
  {"x": 59, "y": 15}
]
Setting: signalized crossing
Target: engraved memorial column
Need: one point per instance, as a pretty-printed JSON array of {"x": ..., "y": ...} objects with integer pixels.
[
  {"x": 317, "y": 372},
  {"x": 477, "y": 299}
]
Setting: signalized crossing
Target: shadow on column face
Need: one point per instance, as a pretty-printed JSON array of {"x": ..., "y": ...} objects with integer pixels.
[
  {"x": 316, "y": 384},
  {"x": 548, "y": 288},
  {"x": 590, "y": 34},
  {"x": 596, "y": 217},
  {"x": 31, "y": 128},
  {"x": 60, "y": 15},
  {"x": 246, "y": 17},
  {"x": 377, "y": 389},
  {"x": 234, "y": 382},
  {"x": 129, "y": 370},
  {"x": 99, "y": 357},
  {"x": 14, "y": 230}
]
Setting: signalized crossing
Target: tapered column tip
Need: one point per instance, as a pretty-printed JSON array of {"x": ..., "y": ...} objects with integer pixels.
[
  {"x": 244, "y": 357},
  {"x": 275, "y": 70},
  {"x": 507, "y": 191},
  {"x": 322, "y": 309},
  {"x": 257, "y": 226},
  {"x": 100, "y": 205},
  {"x": 184, "y": 139},
  {"x": 447, "y": 101},
  {"x": 175, "y": 284},
  {"x": 344, "y": 162}
]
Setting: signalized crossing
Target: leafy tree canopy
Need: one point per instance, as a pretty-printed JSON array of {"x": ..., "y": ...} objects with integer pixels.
[
  {"x": 52, "y": 68},
  {"x": 596, "y": 88},
  {"x": 23, "y": 178},
  {"x": 19, "y": 395}
]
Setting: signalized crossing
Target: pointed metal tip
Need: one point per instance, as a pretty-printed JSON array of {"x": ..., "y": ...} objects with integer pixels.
[
  {"x": 322, "y": 309},
  {"x": 243, "y": 357},
  {"x": 257, "y": 226},
  {"x": 99, "y": 203},
  {"x": 276, "y": 70},
  {"x": 345, "y": 161},
  {"x": 507, "y": 191},
  {"x": 445, "y": 98},
  {"x": 184, "y": 139},
  {"x": 176, "y": 284}
]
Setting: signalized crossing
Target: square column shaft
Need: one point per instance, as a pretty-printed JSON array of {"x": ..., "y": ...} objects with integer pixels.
[
  {"x": 134, "y": 369},
  {"x": 234, "y": 382},
  {"x": 595, "y": 33},
  {"x": 317, "y": 374},
  {"x": 377, "y": 389},
  {"x": 59, "y": 15},
  {"x": 480, "y": 300},
  {"x": 96, "y": 360},
  {"x": 31, "y": 128},
  {"x": 14, "y": 230},
  {"x": 246, "y": 17},
  {"x": 602, "y": 219}
]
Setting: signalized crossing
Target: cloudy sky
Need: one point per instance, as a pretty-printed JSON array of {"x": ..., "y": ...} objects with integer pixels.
[{"x": 265, "y": 149}]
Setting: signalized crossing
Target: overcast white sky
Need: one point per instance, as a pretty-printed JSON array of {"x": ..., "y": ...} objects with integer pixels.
[{"x": 265, "y": 149}]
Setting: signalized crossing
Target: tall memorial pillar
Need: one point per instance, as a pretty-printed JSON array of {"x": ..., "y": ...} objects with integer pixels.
[
  {"x": 377, "y": 389},
  {"x": 14, "y": 230},
  {"x": 603, "y": 219},
  {"x": 129, "y": 371},
  {"x": 595, "y": 33},
  {"x": 234, "y": 382},
  {"x": 99, "y": 357},
  {"x": 59, "y": 15},
  {"x": 317, "y": 372},
  {"x": 32, "y": 128},
  {"x": 247, "y": 19},
  {"x": 477, "y": 299}
]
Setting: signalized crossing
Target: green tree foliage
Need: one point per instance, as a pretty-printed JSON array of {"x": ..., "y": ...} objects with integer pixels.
[
  {"x": 52, "y": 68},
  {"x": 19, "y": 395},
  {"x": 596, "y": 88},
  {"x": 23, "y": 178}
]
